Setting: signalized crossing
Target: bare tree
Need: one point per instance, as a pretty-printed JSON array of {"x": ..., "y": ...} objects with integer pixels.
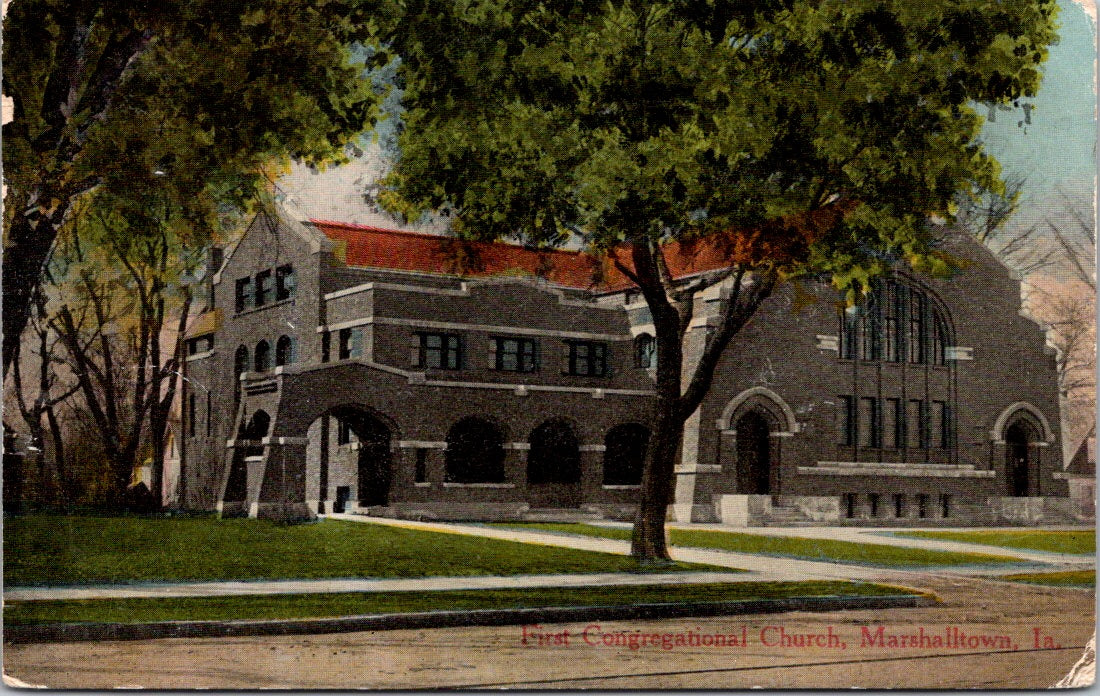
[
  {"x": 122, "y": 314},
  {"x": 42, "y": 404}
]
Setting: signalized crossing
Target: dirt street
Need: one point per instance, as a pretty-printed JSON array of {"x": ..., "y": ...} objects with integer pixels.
[{"x": 984, "y": 634}]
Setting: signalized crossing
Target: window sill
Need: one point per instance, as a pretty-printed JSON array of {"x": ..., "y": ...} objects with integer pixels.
[
  {"x": 622, "y": 486},
  {"x": 452, "y": 484},
  {"x": 422, "y": 484},
  {"x": 278, "y": 303}
]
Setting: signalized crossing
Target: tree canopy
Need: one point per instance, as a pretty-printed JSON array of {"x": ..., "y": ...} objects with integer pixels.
[
  {"x": 202, "y": 94},
  {"x": 816, "y": 136}
]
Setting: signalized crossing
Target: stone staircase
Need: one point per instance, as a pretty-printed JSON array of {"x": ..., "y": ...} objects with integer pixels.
[{"x": 781, "y": 515}]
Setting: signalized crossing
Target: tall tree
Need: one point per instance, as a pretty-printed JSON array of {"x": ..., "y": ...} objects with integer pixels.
[
  {"x": 199, "y": 92},
  {"x": 123, "y": 304},
  {"x": 799, "y": 136}
]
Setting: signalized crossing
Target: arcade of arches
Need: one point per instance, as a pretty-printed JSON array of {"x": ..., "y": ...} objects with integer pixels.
[{"x": 353, "y": 454}]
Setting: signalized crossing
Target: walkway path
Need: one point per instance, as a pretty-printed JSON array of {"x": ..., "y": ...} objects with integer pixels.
[
  {"x": 758, "y": 567},
  {"x": 885, "y": 537}
]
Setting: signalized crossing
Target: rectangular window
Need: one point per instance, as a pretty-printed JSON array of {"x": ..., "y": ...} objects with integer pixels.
[
  {"x": 440, "y": 351},
  {"x": 914, "y": 424},
  {"x": 938, "y": 430},
  {"x": 588, "y": 359},
  {"x": 351, "y": 343},
  {"x": 200, "y": 345},
  {"x": 899, "y": 505},
  {"x": 890, "y": 322},
  {"x": 286, "y": 284},
  {"x": 516, "y": 354},
  {"x": 326, "y": 346},
  {"x": 872, "y": 499},
  {"x": 915, "y": 340},
  {"x": 264, "y": 288},
  {"x": 870, "y": 431},
  {"x": 922, "y": 505},
  {"x": 421, "y": 471},
  {"x": 849, "y": 332},
  {"x": 191, "y": 414},
  {"x": 939, "y": 337},
  {"x": 343, "y": 433},
  {"x": 871, "y": 343},
  {"x": 945, "y": 505},
  {"x": 892, "y": 420},
  {"x": 244, "y": 294},
  {"x": 847, "y": 420},
  {"x": 849, "y": 505}
]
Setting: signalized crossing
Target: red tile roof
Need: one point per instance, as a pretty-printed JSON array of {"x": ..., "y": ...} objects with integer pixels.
[{"x": 375, "y": 247}]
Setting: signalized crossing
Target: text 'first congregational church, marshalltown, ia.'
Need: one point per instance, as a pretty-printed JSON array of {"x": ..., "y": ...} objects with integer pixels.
[{"x": 340, "y": 367}]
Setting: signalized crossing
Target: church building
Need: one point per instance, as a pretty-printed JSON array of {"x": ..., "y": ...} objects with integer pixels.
[{"x": 347, "y": 368}]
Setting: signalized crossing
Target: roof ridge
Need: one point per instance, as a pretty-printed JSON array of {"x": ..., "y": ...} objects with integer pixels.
[{"x": 429, "y": 235}]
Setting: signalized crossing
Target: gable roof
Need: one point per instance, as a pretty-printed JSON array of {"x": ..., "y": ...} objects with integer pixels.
[{"x": 366, "y": 246}]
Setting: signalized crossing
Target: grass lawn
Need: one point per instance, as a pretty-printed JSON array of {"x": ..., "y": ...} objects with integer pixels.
[
  {"x": 344, "y": 604},
  {"x": 1065, "y": 578},
  {"x": 1083, "y": 541},
  {"x": 64, "y": 550},
  {"x": 792, "y": 547}
]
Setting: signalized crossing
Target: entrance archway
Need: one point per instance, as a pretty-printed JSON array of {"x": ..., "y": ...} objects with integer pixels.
[
  {"x": 754, "y": 470},
  {"x": 250, "y": 434},
  {"x": 374, "y": 457},
  {"x": 624, "y": 456},
  {"x": 1018, "y": 439},
  {"x": 475, "y": 452},
  {"x": 554, "y": 465}
]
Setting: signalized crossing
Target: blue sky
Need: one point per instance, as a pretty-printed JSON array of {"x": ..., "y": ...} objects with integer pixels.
[{"x": 1056, "y": 152}]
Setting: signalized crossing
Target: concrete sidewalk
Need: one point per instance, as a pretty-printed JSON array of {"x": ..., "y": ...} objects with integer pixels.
[
  {"x": 766, "y": 567},
  {"x": 760, "y": 568},
  {"x": 885, "y": 537},
  {"x": 341, "y": 585}
]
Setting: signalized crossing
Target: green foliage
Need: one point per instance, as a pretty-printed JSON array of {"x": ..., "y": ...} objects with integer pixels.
[
  {"x": 358, "y": 603},
  {"x": 213, "y": 92},
  {"x": 1065, "y": 578},
  {"x": 1080, "y": 541},
  {"x": 86, "y": 550},
  {"x": 794, "y": 547},
  {"x": 627, "y": 120}
]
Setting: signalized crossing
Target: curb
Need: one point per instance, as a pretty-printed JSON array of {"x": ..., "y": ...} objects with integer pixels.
[{"x": 65, "y": 632}]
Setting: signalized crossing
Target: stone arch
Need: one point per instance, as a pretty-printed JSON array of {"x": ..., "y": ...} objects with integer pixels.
[
  {"x": 371, "y": 462},
  {"x": 262, "y": 357},
  {"x": 475, "y": 452},
  {"x": 764, "y": 399},
  {"x": 555, "y": 455},
  {"x": 1017, "y": 411},
  {"x": 624, "y": 454}
]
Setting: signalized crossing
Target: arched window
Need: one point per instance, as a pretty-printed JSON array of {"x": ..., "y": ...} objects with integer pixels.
[
  {"x": 625, "y": 454},
  {"x": 286, "y": 351},
  {"x": 475, "y": 452},
  {"x": 645, "y": 351},
  {"x": 263, "y": 356},
  {"x": 555, "y": 455},
  {"x": 895, "y": 323},
  {"x": 240, "y": 362}
]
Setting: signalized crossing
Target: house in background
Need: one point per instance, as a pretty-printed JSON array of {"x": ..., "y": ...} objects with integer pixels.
[
  {"x": 1080, "y": 476},
  {"x": 352, "y": 368}
]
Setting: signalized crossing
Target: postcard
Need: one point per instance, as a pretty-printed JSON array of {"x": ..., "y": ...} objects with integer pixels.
[{"x": 499, "y": 345}]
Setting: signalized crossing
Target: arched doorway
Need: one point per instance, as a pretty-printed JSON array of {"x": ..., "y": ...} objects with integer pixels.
[
  {"x": 554, "y": 466},
  {"x": 236, "y": 486},
  {"x": 475, "y": 452},
  {"x": 1018, "y": 438},
  {"x": 624, "y": 456},
  {"x": 349, "y": 459},
  {"x": 754, "y": 470}
]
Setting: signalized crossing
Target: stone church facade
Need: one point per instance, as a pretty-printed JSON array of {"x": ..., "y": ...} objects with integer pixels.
[{"x": 348, "y": 368}]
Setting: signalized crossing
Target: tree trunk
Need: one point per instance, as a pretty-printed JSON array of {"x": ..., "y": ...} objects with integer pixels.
[
  {"x": 26, "y": 250},
  {"x": 648, "y": 541}
]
